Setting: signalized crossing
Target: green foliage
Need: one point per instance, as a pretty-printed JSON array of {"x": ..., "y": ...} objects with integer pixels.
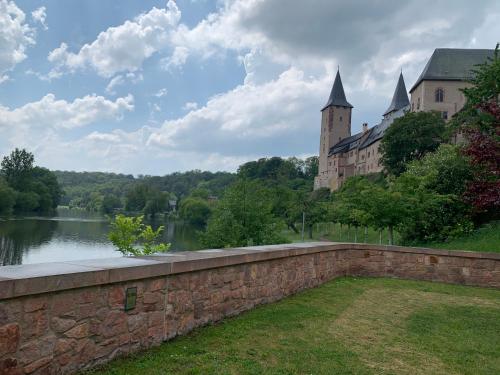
[
  {"x": 432, "y": 216},
  {"x": 409, "y": 138},
  {"x": 110, "y": 203},
  {"x": 195, "y": 210},
  {"x": 26, "y": 201},
  {"x": 243, "y": 217},
  {"x": 7, "y": 198},
  {"x": 132, "y": 237},
  {"x": 17, "y": 167},
  {"x": 157, "y": 202},
  {"x": 445, "y": 171},
  {"x": 35, "y": 188}
]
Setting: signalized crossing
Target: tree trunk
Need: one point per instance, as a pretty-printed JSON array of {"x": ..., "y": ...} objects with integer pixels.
[
  {"x": 348, "y": 232},
  {"x": 356, "y": 234},
  {"x": 366, "y": 234},
  {"x": 310, "y": 232},
  {"x": 340, "y": 232},
  {"x": 391, "y": 235},
  {"x": 293, "y": 227},
  {"x": 380, "y": 236}
]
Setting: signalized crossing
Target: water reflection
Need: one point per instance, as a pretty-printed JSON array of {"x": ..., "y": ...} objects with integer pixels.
[{"x": 73, "y": 235}]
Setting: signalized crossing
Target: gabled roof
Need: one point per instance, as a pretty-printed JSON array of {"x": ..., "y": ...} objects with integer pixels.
[
  {"x": 452, "y": 64},
  {"x": 337, "y": 95},
  {"x": 400, "y": 97}
]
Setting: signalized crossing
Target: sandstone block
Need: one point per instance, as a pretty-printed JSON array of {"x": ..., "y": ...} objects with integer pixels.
[
  {"x": 9, "y": 338},
  {"x": 78, "y": 332}
]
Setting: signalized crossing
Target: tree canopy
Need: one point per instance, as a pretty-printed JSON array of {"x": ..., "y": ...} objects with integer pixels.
[{"x": 409, "y": 138}]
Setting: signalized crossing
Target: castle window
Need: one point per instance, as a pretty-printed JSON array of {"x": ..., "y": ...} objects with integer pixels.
[
  {"x": 351, "y": 153},
  {"x": 418, "y": 104},
  {"x": 439, "y": 95},
  {"x": 363, "y": 157},
  {"x": 412, "y": 107},
  {"x": 340, "y": 118},
  {"x": 368, "y": 153},
  {"x": 444, "y": 114}
]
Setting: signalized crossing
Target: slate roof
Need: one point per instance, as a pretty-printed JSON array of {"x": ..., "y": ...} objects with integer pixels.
[
  {"x": 337, "y": 95},
  {"x": 372, "y": 136},
  {"x": 400, "y": 97},
  {"x": 377, "y": 132},
  {"x": 346, "y": 144},
  {"x": 452, "y": 64}
]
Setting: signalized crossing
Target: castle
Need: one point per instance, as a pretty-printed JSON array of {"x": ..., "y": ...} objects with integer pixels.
[{"x": 342, "y": 155}]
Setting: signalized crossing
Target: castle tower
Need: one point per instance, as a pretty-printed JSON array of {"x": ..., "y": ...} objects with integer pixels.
[
  {"x": 335, "y": 126},
  {"x": 399, "y": 99}
]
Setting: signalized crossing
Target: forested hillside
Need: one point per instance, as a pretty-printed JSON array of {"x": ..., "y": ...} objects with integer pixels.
[{"x": 100, "y": 191}]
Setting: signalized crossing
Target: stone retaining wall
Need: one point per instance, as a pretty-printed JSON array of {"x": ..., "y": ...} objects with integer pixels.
[{"x": 58, "y": 318}]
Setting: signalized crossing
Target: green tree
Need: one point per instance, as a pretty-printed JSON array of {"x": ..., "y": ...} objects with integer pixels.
[
  {"x": 315, "y": 208},
  {"x": 110, "y": 203},
  {"x": 156, "y": 202},
  {"x": 17, "y": 167},
  {"x": 386, "y": 209},
  {"x": 243, "y": 217},
  {"x": 445, "y": 171},
  {"x": 350, "y": 203},
  {"x": 431, "y": 216},
  {"x": 195, "y": 210},
  {"x": 27, "y": 201},
  {"x": 44, "y": 183},
  {"x": 7, "y": 198},
  {"x": 409, "y": 138}
]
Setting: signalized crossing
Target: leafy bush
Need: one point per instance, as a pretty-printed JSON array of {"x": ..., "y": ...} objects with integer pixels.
[{"x": 132, "y": 237}]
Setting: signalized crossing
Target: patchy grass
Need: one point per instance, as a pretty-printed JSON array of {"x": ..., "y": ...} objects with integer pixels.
[
  {"x": 347, "y": 326},
  {"x": 486, "y": 238}
]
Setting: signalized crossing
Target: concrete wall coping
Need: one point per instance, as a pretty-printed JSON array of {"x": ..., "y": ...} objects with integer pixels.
[{"x": 22, "y": 280}]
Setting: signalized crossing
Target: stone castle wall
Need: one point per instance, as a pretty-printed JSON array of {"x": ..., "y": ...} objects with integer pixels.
[{"x": 59, "y": 318}]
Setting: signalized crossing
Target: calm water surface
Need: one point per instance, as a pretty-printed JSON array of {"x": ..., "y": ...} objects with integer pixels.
[{"x": 72, "y": 235}]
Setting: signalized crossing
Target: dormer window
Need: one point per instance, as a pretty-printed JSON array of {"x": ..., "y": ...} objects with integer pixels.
[{"x": 439, "y": 95}]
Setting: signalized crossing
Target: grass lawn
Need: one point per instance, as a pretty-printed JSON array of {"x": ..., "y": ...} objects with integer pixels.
[
  {"x": 347, "y": 326},
  {"x": 486, "y": 238}
]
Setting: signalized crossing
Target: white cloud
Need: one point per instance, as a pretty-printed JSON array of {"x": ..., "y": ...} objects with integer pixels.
[
  {"x": 178, "y": 58},
  {"x": 161, "y": 93},
  {"x": 121, "y": 79},
  {"x": 189, "y": 106},
  {"x": 40, "y": 15},
  {"x": 250, "y": 120},
  {"x": 49, "y": 112},
  {"x": 121, "y": 48},
  {"x": 15, "y": 37}
]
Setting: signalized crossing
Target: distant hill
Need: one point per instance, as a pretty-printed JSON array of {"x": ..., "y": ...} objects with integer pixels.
[{"x": 80, "y": 188}]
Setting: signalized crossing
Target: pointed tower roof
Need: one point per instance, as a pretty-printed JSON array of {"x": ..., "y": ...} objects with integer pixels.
[
  {"x": 337, "y": 95},
  {"x": 400, "y": 98}
]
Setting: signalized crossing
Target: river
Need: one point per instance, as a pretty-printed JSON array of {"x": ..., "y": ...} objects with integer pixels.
[{"x": 73, "y": 235}]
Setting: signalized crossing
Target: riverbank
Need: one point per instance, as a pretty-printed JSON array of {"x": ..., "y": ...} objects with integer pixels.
[{"x": 485, "y": 238}]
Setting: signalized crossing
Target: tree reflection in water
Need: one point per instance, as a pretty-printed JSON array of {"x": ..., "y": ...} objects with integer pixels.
[{"x": 16, "y": 239}]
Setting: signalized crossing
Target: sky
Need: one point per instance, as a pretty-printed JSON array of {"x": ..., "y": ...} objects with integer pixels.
[{"x": 154, "y": 87}]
